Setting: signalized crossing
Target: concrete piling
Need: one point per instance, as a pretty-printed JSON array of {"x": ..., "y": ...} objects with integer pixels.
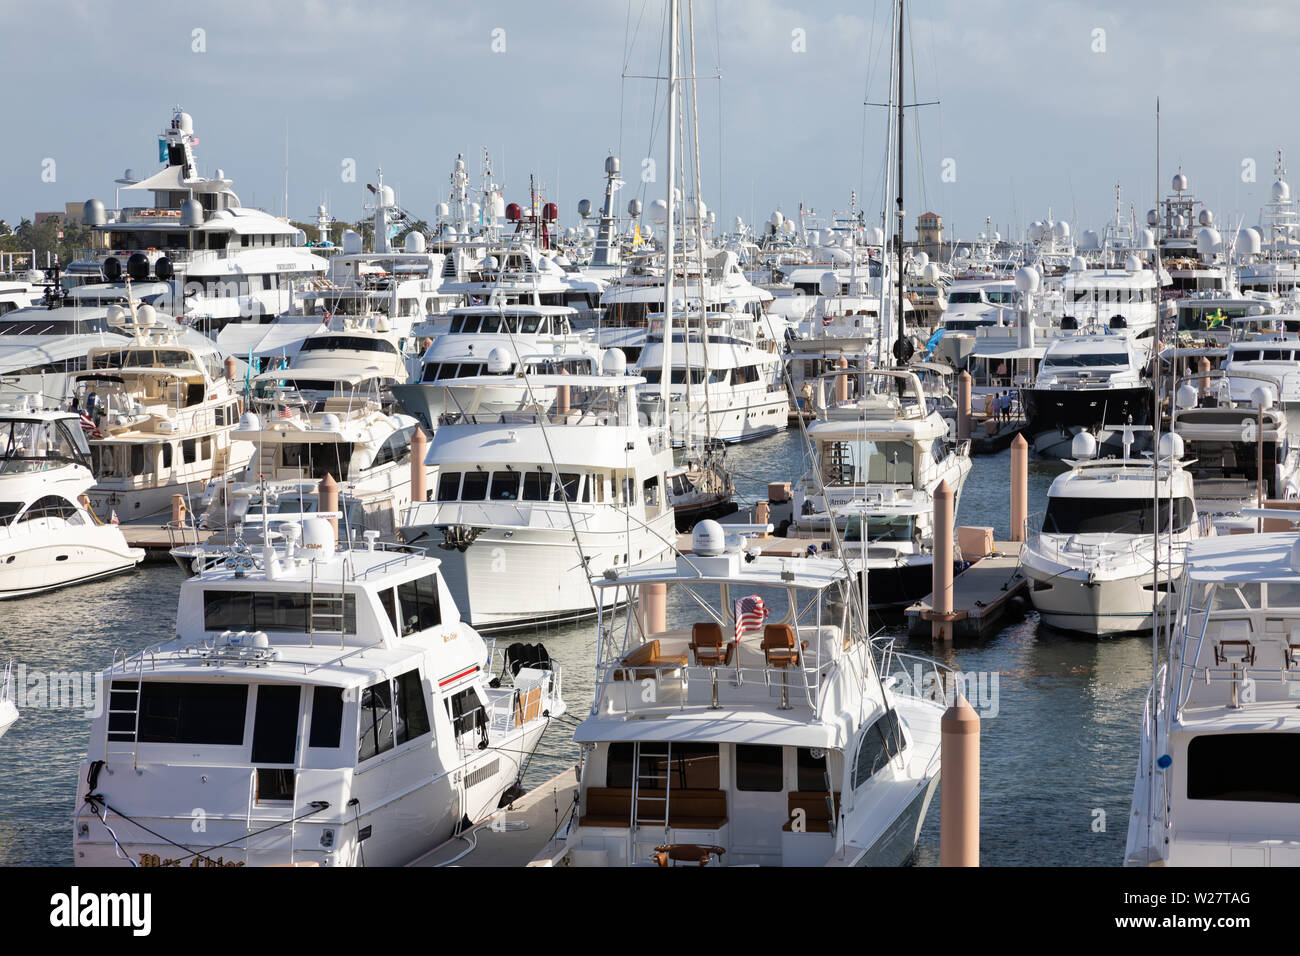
[{"x": 959, "y": 802}]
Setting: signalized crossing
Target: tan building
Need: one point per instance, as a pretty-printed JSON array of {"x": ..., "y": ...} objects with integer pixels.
[{"x": 929, "y": 233}]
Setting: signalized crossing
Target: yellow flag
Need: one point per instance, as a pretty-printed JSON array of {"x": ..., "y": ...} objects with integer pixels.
[{"x": 636, "y": 233}]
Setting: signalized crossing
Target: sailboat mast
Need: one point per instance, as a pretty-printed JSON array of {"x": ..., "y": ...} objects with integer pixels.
[
  {"x": 670, "y": 240},
  {"x": 899, "y": 353}
]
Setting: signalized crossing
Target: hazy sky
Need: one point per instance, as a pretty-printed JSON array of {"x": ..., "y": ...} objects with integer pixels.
[{"x": 1043, "y": 105}]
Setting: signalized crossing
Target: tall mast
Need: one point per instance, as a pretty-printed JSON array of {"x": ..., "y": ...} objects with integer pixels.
[
  {"x": 899, "y": 347},
  {"x": 665, "y": 377}
]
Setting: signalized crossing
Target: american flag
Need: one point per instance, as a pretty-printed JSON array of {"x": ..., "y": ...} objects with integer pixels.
[
  {"x": 751, "y": 614},
  {"x": 89, "y": 427},
  {"x": 826, "y": 318},
  {"x": 113, "y": 519}
]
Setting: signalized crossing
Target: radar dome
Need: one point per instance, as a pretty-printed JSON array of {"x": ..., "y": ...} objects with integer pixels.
[
  {"x": 1061, "y": 229},
  {"x": 828, "y": 284},
  {"x": 444, "y": 210},
  {"x": 1206, "y": 218},
  {"x": 611, "y": 165},
  {"x": 931, "y": 272},
  {"x": 1132, "y": 264},
  {"x": 1170, "y": 445},
  {"x": 1207, "y": 240},
  {"x": 875, "y": 236},
  {"x": 787, "y": 227},
  {"x": 146, "y": 316},
  {"x": 708, "y": 539},
  {"x": 1187, "y": 396},
  {"x": 499, "y": 361},
  {"x": 414, "y": 242},
  {"x": 185, "y": 122},
  {"x": 351, "y": 242},
  {"x": 614, "y": 362},
  {"x": 1027, "y": 279},
  {"x": 386, "y": 197},
  {"x": 1078, "y": 264},
  {"x": 1153, "y": 217},
  {"x": 776, "y": 219},
  {"x": 1281, "y": 191},
  {"x": 1036, "y": 229},
  {"x": 1090, "y": 240},
  {"x": 922, "y": 260},
  {"x": 659, "y": 211},
  {"x": 191, "y": 213},
  {"x": 1263, "y": 396},
  {"x": 1084, "y": 446},
  {"x": 1147, "y": 240},
  {"x": 584, "y": 208},
  {"x": 1179, "y": 183},
  {"x": 92, "y": 213},
  {"x": 634, "y": 208},
  {"x": 1249, "y": 242}
]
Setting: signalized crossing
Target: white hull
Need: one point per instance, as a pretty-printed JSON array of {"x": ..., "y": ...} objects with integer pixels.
[
  {"x": 33, "y": 563},
  {"x": 1114, "y": 606}
]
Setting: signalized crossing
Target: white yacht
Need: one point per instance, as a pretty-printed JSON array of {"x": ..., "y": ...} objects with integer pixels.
[
  {"x": 1092, "y": 381},
  {"x": 321, "y": 706},
  {"x": 1240, "y": 452},
  {"x": 1215, "y": 783},
  {"x": 496, "y": 339},
  {"x": 877, "y": 461},
  {"x": 1118, "y": 299},
  {"x": 726, "y": 382},
  {"x": 756, "y": 727},
  {"x": 48, "y": 536},
  {"x": 1090, "y": 565},
  {"x": 162, "y": 412},
  {"x": 298, "y": 442},
  {"x": 1271, "y": 259},
  {"x": 528, "y": 503},
  {"x": 221, "y": 262}
]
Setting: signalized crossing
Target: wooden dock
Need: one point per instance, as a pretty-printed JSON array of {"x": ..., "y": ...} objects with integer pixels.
[
  {"x": 157, "y": 540},
  {"x": 985, "y": 597},
  {"x": 515, "y": 834},
  {"x": 1000, "y": 440}
]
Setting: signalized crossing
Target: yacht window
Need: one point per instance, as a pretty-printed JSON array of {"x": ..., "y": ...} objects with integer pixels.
[
  {"x": 396, "y": 447},
  {"x": 412, "y": 715},
  {"x": 881, "y": 528},
  {"x": 475, "y": 487},
  {"x": 457, "y": 322},
  {"x": 137, "y": 460},
  {"x": 326, "y": 717},
  {"x": 569, "y": 483},
  {"x": 528, "y": 324},
  {"x": 1283, "y": 594},
  {"x": 688, "y": 767},
  {"x": 186, "y": 712},
  {"x": 537, "y": 486},
  {"x": 491, "y": 323},
  {"x": 760, "y": 768},
  {"x": 166, "y": 455},
  {"x": 812, "y": 771},
  {"x": 1086, "y": 360},
  {"x": 7, "y": 511},
  {"x": 854, "y": 462},
  {"x": 882, "y": 741},
  {"x": 471, "y": 324},
  {"x": 376, "y": 734},
  {"x": 418, "y": 600},
  {"x": 650, "y": 492},
  {"x": 317, "y": 459},
  {"x": 1244, "y": 767},
  {"x": 271, "y": 611},
  {"x": 188, "y": 448},
  {"x": 51, "y": 506},
  {"x": 448, "y": 485},
  {"x": 618, "y": 765},
  {"x": 1106, "y": 515},
  {"x": 207, "y": 449},
  {"x": 1246, "y": 355},
  {"x": 388, "y": 598},
  {"x": 275, "y": 723},
  {"x": 505, "y": 486},
  {"x": 744, "y": 374},
  {"x": 586, "y": 487}
]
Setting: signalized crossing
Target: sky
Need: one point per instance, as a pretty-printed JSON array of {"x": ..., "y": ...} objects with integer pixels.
[{"x": 1043, "y": 107}]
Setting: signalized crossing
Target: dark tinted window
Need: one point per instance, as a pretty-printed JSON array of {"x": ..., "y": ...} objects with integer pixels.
[
  {"x": 618, "y": 765},
  {"x": 418, "y": 603},
  {"x": 376, "y": 734},
  {"x": 412, "y": 715},
  {"x": 326, "y": 717},
  {"x": 191, "y": 713},
  {"x": 1104, "y": 515},
  {"x": 1248, "y": 768},
  {"x": 448, "y": 485},
  {"x": 475, "y": 487},
  {"x": 759, "y": 767},
  {"x": 275, "y": 724},
  {"x": 537, "y": 486},
  {"x": 812, "y": 771},
  {"x": 272, "y": 611},
  {"x": 505, "y": 486},
  {"x": 317, "y": 459},
  {"x": 882, "y": 741}
]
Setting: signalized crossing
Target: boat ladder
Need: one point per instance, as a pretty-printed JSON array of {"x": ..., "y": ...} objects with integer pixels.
[
  {"x": 123, "y": 711},
  {"x": 651, "y": 757},
  {"x": 325, "y": 610}
]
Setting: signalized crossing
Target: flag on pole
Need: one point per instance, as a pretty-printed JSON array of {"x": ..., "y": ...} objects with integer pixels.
[{"x": 751, "y": 615}]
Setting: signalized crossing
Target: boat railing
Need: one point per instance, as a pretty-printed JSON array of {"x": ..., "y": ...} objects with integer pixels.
[
  {"x": 640, "y": 688},
  {"x": 915, "y": 676}
]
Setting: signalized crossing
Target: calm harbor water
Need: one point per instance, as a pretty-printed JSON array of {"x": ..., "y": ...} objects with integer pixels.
[{"x": 1057, "y": 758}]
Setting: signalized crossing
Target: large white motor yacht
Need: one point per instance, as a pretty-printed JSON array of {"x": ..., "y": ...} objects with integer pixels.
[
  {"x": 321, "y": 707},
  {"x": 1091, "y": 566},
  {"x": 48, "y": 536},
  {"x": 1215, "y": 783},
  {"x": 528, "y": 503},
  {"x": 755, "y": 727}
]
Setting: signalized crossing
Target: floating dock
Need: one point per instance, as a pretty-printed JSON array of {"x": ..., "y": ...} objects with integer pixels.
[
  {"x": 1000, "y": 440},
  {"x": 985, "y": 597},
  {"x": 515, "y": 834},
  {"x": 157, "y": 540}
]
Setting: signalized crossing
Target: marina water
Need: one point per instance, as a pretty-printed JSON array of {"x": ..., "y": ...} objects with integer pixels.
[{"x": 1059, "y": 713}]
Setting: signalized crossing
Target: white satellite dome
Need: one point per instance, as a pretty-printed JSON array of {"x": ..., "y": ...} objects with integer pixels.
[
  {"x": 1132, "y": 264},
  {"x": 1078, "y": 264},
  {"x": 1206, "y": 218},
  {"x": 1207, "y": 240},
  {"x": 499, "y": 361},
  {"x": 659, "y": 210},
  {"x": 185, "y": 122},
  {"x": 708, "y": 539},
  {"x": 1179, "y": 183},
  {"x": 1036, "y": 229},
  {"x": 614, "y": 362},
  {"x": 776, "y": 219},
  {"x": 386, "y": 196},
  {"x": 829, "y": 284},
  {"x": 351, "y": 242},
  {"x": 875, "y": 236},
  {"x": 931, "y": 272},
  {"x": 414, "y": 243},
  {"x": 1147, "y": 240},
  {"x": 1083, "y": 447},
  {"x": 1263, "y": 396},
  {"x": 1061, "y": 229},
  {"x": 1249, "y": 242},
  {"x": 739, "y": 224},
  {"x": 997, "y": 237},
  {"x": 1027, "y": 279},
  {"x": 1153, "y": 217},
  {"x": 787, "y": 227},
  {"x": 964, "y": 252},
  {"x": 1170, "y": 445},
  {"x": 922, "y": 260},
  {"x": 1281, "y": 191},
  {"x": 1187, "y": 396},
  {"x": 1090, "y": 240}
]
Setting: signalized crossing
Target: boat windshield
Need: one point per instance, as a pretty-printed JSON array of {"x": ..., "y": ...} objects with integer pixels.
[
  {"x": 35, "y": 445},
  {"x": 1085, "y": 360},
  {"x": 1113, "y": 515}
]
